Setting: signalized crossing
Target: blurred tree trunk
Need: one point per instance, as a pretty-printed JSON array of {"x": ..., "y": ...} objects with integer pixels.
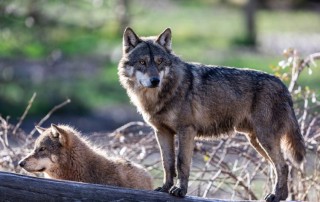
[
  {"x": 122, "y": 12},
  {"x": 34, "y": 15},
  {"x": 250, "y": 20}
]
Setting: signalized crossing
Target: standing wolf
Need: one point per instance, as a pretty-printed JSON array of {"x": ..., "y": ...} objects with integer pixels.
[
  {"x": 193, "y": 100},
  {"x": 62, "y": 153}
]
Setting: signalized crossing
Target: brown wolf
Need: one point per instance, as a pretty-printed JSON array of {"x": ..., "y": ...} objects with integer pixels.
[
  {"x": 193, "y": 100},
  {"x": 62, "y": 153}
]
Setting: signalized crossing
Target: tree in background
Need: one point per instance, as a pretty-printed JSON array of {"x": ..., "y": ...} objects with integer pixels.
[
  {"x": 250, "y": 22},
  {"x": 123, "y": 15}
]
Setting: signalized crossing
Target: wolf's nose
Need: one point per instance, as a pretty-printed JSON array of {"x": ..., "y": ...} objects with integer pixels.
[
  {"x": 22, "y": 163},
  {"x": 155, "y": 81}
]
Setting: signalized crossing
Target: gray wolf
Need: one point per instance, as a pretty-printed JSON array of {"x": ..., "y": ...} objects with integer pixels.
[
  {"x": 190, "y": 100},
  {"x": 62, "y": 153}
]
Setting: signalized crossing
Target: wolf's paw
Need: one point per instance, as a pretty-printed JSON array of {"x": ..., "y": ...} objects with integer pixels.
[
  {"x": 271, "y": 198},
  {"x": 178, "y": 191},
  {"x": 162, "y": 189}
]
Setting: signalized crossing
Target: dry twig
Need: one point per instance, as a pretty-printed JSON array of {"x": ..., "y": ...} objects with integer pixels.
[
  {"x": 55, "y": 108},
  {"x": 24, "y": 113}
]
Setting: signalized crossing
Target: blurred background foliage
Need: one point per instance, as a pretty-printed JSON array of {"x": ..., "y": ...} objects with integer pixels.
[{"x": 70, "y": 49}]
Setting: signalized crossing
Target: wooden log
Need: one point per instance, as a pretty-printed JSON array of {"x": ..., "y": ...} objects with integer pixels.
[{"x": 14, "y": 187}]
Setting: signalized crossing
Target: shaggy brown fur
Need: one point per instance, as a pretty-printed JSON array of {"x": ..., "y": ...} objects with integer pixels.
[
  {"x": 192, "y": 100},
  {"x": 62, "y": 153}
]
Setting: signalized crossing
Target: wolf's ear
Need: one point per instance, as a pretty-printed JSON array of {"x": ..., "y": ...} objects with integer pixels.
[
  {"x": 164, "y": 39},
  {"x": 58, "y": 132},
  {"x": 130, "y": 40},
  {"x": 40, "y": 129}
]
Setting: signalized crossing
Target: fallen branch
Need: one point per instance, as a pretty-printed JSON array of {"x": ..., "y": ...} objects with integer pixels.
[{"x": 15, "y": 187}]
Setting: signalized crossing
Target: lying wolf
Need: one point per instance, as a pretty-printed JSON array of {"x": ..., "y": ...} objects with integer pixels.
[
  {"x": 193, "y": 100},
  {"x": 61, "y": 153}
]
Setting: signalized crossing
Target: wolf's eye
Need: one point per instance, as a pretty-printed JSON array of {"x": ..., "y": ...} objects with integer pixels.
[
  {"x": 42, "y": 149},
  {"x": 142, "y": 62},
  {"x": 159, "y": 61}
]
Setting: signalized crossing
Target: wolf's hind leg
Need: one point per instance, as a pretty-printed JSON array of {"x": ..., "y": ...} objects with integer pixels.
[
  {"x": 166, "y": 143},
  {"x": 186, "y": 145},
  {"x": 256, "y": 145},
  {"x": 271, "y": 144}
]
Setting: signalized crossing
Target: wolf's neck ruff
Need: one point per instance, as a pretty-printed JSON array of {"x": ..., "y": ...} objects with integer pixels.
[{"x": 147, "y": 99}]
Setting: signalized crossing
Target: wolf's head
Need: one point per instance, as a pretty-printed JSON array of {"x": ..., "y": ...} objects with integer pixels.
[
  {"x": 146, "y": 60},
  {"x": 49, "y": 150}
]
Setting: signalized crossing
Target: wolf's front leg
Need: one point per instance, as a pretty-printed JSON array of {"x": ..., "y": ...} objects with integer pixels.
[
  {"x": 186, "y": 145},
  {"x": 166, "y": 143}
]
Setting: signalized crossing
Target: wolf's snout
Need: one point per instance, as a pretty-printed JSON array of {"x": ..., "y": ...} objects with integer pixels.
[
  {"x": 154, "y": 81},
  {"x": 22, "y": 163}
]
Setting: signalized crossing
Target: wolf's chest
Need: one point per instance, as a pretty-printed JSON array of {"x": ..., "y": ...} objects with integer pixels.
[{"x": 167, "y": 120}]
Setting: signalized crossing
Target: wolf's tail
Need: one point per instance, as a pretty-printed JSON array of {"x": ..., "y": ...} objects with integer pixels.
[{"x": 293, "y": 144}]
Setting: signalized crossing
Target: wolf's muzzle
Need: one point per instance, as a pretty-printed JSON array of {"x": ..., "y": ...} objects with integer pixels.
[{"x": 154, "y": 82}]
